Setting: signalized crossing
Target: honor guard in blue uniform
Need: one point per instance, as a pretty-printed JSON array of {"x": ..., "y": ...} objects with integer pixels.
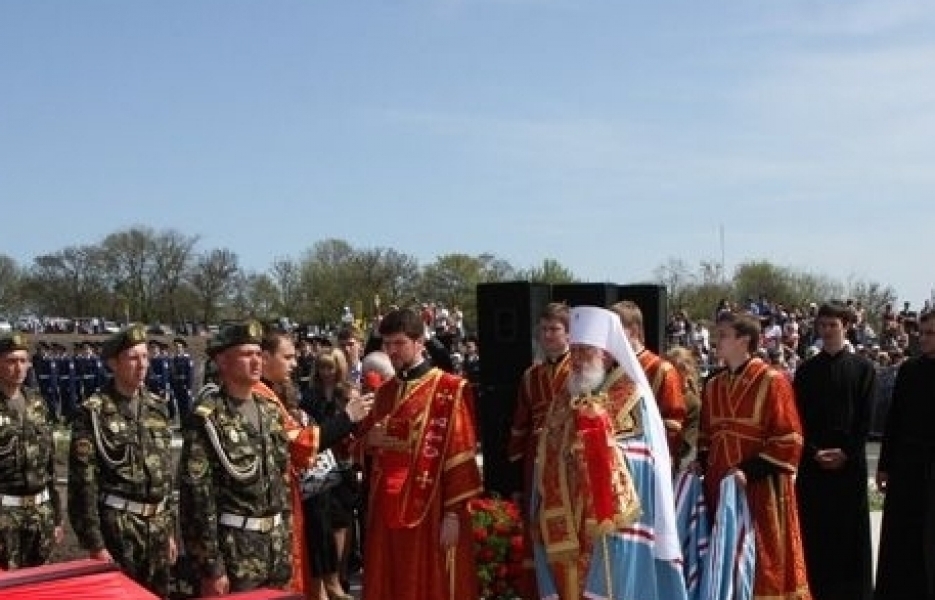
[
  {"x": 67, "y": 383},
  {"x": 89, "y": 369},
  {"x": 183, "y": 378},
  {"x": 106, "y": 374},
  {"x": 158, "y": 378},
  {"x": 46, "y": 368}
]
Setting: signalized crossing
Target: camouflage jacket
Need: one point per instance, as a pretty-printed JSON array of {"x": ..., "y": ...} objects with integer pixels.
[
  {"x": 27, "y": 457},
  {"x": 227, "y": 465},
  {"x": 116, "y": 452}
]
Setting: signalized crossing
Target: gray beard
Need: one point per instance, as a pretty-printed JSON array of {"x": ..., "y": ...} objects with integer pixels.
[{"x": 586, "y": 380}]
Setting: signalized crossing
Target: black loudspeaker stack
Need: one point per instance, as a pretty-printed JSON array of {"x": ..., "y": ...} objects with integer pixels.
[
  {"x": 653, "y": 302},
  {"x": 507, "y": 315}
]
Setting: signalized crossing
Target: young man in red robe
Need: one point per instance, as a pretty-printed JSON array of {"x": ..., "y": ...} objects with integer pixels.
[
  {"x": 305, "y": 441},
  {"x": 541, "y": 384},
  {"x": 750, "y": 430},
  {"x": 421, "y": 439},
  {"x": 664, "y": 379}
]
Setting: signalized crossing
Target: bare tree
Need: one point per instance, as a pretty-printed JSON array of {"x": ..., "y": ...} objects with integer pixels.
[
  {"x": 70, "y": 283},
  {"x": 214, "y": 279},
  {"x": 130, "y": 259},
  {"x": 257, "y": 296},
  {"x": 286, "y": 278},
  {"x": 172, "y": 257},
  {"x": 11, "y": 298}
]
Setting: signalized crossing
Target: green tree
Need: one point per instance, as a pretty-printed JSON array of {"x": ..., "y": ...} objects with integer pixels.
[
  {"x": 452, "y": 280},
  {"x": 326, "y": 278},
  {"x": 549, "y": 271},
  {"x": 383, "y": 273},
  {"x": 874, "y": 297}
]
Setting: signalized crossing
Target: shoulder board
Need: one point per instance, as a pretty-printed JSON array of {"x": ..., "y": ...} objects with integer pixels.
[
  {"x": 154, "y": 397},
  {"x": 204, "y": 410},
  {"x": 94, "y": 402},
  {"x": 265, "y": 397}
]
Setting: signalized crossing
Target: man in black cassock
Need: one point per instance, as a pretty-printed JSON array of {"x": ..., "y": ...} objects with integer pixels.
[
  {"x": 834, "y": 390},
  {"x": 906, "y": 474}
]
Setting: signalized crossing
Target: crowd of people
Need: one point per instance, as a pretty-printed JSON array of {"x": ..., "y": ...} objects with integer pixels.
[{"x": 306, "y": 459}]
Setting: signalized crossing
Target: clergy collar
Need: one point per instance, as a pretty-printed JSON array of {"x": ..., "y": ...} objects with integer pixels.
[
  {"x": 414, "y": 372},
  {"x": 740, "y": 367},
  {"x": 557, "y": 359},
  {"x": 841, "y": 351}
]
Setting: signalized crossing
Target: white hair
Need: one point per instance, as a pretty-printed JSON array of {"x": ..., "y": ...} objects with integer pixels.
[{"x": 377, "y": 361}]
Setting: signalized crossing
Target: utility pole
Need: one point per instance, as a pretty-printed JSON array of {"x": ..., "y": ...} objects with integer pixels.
[{"x": 723, "y": 265}]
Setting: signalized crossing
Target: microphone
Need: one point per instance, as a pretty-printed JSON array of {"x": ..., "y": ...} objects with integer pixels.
[{"x": 372, "y": 381}]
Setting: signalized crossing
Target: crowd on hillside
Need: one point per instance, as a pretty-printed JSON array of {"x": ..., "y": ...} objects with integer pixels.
[{"x": 789, "y": 337}]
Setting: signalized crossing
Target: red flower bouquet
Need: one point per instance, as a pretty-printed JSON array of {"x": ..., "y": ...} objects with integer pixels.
[{"x": 498, "y": 547}]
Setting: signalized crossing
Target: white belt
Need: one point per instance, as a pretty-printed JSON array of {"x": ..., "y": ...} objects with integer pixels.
[
  {"x": 25, "y": 501},
  {"x": 142, "y": 509},
  {"x": 261, "y": 524}
]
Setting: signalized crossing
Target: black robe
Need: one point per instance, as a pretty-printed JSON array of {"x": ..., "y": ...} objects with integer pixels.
[
  {"x": 906, "y": 567},
  {"x": 833, "y": 394}
]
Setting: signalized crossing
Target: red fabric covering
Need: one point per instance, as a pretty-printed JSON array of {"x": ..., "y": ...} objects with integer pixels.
[
  {"x": 109, "y": 585},
  {"x": 265, "y": 595}
]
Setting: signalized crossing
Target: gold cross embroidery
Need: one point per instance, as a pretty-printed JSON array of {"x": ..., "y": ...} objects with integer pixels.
[{"x": 424, "y": 480}]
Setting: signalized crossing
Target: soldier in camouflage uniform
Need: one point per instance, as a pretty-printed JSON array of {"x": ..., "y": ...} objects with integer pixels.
[
  {"x": 30, "y": 511},
  {"x": 120, "y": 469},
  {"x": 234, "y": 495}
]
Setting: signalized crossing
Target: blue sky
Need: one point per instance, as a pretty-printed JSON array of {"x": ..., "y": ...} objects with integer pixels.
[{"x": 610, "y": 136}]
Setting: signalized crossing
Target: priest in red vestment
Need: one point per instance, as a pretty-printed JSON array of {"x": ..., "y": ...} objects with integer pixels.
[
  {"x": 421, "y": 438},
  {"x": 750, "y": 429},
  {"x": 664, "y": 379}
]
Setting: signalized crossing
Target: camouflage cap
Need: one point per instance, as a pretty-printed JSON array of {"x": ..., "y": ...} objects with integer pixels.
[
  {"x": 235, "y": 334},
  {"x": 125, "y": 338},
  {"x": 13, "y": 342}
]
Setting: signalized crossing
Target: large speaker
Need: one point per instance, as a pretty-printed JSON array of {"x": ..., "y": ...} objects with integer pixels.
[
  {"x": 585, "y": 294},
  {"x": 507, "y": 315},
  {"x": 653, "y": 303}
]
